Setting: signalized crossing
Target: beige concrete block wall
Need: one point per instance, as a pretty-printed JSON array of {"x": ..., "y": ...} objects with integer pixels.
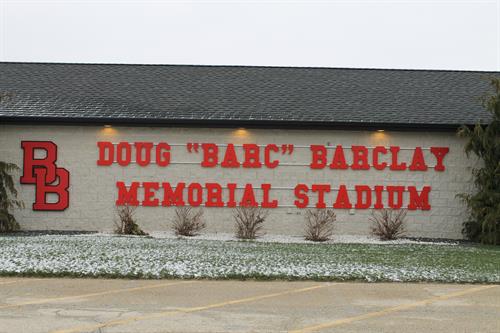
[{"x": 93, "y": 188}]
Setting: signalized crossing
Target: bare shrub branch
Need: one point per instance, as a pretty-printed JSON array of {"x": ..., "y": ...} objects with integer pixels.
[
  {"x": 319, "y": 224},
  {"x": 127, "y": 225},
  {"x": 249, "y": 222},
  {"x": 187, "y": 221},
  {"x": 388, "y": 224}
]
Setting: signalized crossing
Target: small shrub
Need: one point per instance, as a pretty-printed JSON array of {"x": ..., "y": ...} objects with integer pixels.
[
  {"x": 187, "y": 221},
  {"x": 319, "y": 224},
  {"x": 127, "y": 224},
  {"x": 388, "y": 224},
  {"x": 249, "y": 222}
]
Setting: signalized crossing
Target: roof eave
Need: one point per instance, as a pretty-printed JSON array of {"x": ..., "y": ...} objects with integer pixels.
[{"x": 231, "y": 123}]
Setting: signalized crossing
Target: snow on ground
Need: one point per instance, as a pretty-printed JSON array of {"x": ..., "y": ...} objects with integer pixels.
[
  {"x": 147, "y": 257},
  {"x": 337, "y": 239}
]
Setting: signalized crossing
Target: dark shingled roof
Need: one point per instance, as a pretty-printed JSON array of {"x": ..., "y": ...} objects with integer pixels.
[{"x": 241, "y": 96}]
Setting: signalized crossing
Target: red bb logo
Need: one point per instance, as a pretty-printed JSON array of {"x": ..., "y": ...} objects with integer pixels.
[{"x": 45, "y": 175}]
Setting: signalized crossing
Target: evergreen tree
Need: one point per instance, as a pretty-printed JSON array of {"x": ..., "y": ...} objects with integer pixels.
[
  {"x": 483, "y": 224},
  {"x": 8, "y": 193},
  {"x": 8, "y": 197}
]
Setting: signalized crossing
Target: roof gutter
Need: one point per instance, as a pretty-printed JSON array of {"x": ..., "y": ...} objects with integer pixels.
[{"x": 228, "y": 123}]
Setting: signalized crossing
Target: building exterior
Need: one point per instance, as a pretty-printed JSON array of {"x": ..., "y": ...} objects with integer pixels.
[{"x": 89, "y": 138}]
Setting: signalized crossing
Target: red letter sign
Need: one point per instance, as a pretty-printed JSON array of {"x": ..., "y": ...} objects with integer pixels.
[{"x": 43, "y": 173}]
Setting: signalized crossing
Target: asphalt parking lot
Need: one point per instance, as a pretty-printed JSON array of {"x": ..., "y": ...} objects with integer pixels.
[{"x": 106, "y": 305}]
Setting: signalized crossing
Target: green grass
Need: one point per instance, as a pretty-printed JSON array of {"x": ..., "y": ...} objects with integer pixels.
[{"x": 140, "y": 257}]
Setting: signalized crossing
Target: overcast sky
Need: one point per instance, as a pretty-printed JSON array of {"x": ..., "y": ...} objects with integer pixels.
[{"x": 375, "y": 34}]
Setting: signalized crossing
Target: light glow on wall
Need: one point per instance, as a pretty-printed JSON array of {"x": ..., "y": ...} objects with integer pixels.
[
  {"x": 108, "y": 131},
  {"x": 241, "y": 133},
  {"x": 379, "y": 137}
]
